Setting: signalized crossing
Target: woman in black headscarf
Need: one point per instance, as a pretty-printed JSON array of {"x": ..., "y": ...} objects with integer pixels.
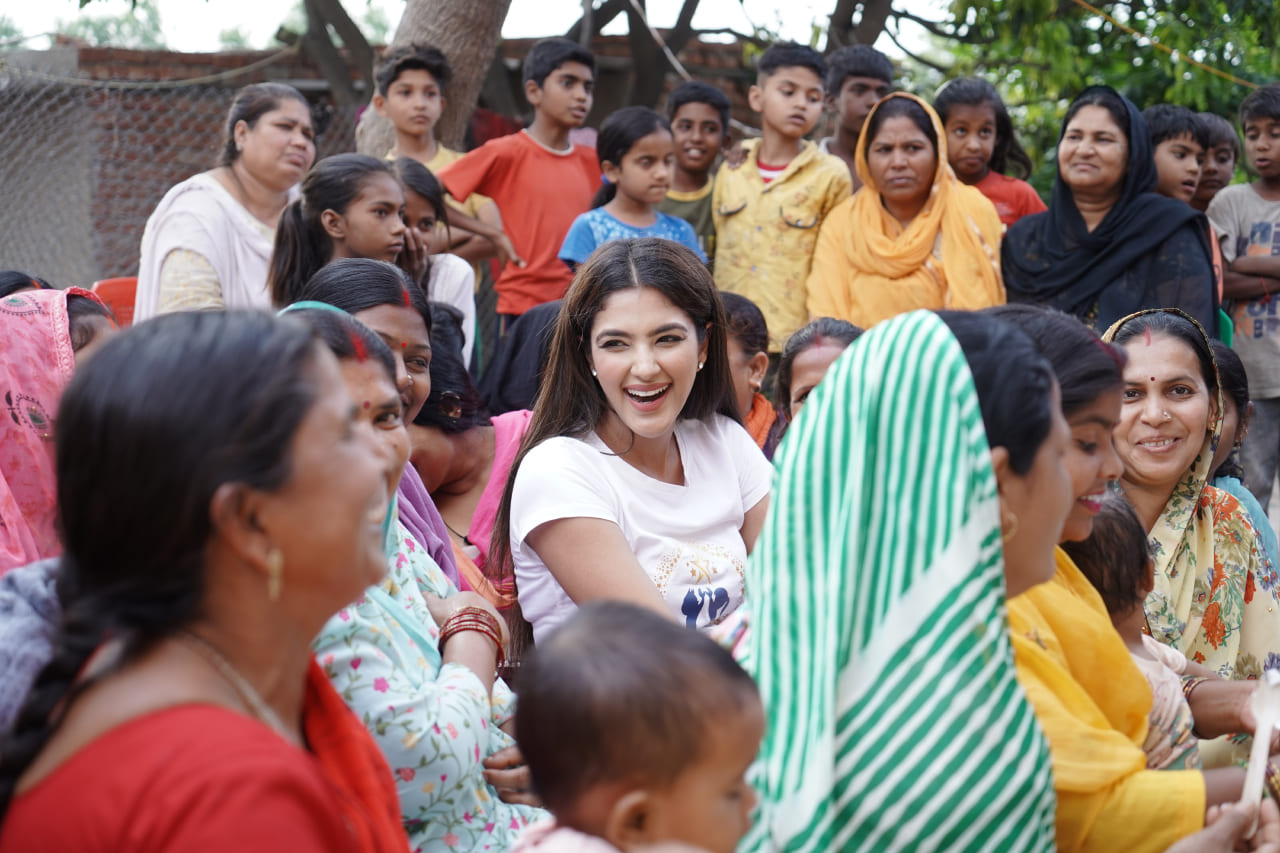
[{"x": 1108, "y": 245}]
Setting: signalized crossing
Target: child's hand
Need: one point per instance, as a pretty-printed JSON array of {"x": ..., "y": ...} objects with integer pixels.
[
  {"x": 506, "y": 251},
  {"x": 506, "y": 771},
  {"x": 413, "y": 257},
  {"x": 735, "y": 156}
]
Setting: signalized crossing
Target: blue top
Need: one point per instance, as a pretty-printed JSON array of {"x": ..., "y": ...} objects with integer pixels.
[
  {"x": 1266, "y": 533},
  {"x": 596, "y": 227}
]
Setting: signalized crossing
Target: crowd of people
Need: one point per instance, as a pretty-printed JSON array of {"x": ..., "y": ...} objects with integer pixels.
[{"x": 766, "y": 526}]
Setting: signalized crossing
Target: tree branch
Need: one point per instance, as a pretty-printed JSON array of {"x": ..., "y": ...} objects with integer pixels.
[
  {"x": 730, "y": 31},
  {"x": 601, "y": 17},
  {"x": 935, "y": 66}
]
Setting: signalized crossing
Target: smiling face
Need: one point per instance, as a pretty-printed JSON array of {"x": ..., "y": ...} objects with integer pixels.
[
  {"x": 280, "y": 147},
  {"x": 1178, "y": 164},
  {"x": 645, "y": 171},
  {"x": 1091, "y": 461},
  {"x": 1219, "y": 168},
  {"x": 1094, "y": 153},
  {"x": 902, "y": 162},
  {"x": 372, "y": 225},
  {"x": 378, "y": 408},
  {"x": 697, "y": 134},
  {"x": 403, "y": 330},
  {"x": 789, "y": 101},
  {"x": 1166, "y": 414},
  {"x": 971, "y": 139},
  {"x": 854, "y": 102},
  {"x": 645, "y": 352}
]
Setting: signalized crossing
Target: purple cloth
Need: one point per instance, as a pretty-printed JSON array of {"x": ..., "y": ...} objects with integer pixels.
[{"x": 420, "y": 517}]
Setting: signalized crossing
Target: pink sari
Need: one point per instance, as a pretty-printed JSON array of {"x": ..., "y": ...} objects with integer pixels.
[{"x": 36, "y": 364}]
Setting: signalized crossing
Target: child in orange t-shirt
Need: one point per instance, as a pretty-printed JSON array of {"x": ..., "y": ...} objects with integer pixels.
[
  {"x": 981, "y": 144},
  {"x": 539, "y": 179}
]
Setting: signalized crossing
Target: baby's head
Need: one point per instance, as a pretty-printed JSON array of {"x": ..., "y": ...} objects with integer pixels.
[
  {"x": 638, "y": 731},
  {"x": 1116, "y": 557}
]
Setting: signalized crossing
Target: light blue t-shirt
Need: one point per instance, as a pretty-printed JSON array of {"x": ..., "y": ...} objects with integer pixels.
[{"x": 596, "y": 227}]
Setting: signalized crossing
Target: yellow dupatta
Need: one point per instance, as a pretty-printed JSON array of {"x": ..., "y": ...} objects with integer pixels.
[
  {"x": 1213, "y": 599},
  {"x": 888, "y": 270}
]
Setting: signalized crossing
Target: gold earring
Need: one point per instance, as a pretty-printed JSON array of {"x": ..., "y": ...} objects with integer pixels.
[
  {"x": 275, "y": 574},
  {"x": 1012, "y": 531}
]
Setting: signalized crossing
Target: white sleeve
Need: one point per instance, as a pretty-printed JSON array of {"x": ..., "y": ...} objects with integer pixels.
[
  {"x": 453, "y": 282},
  {"x": 755, "y": 473},
  {"x": 560, "y": 479}
]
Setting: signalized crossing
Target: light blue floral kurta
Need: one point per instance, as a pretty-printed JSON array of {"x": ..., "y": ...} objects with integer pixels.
[{"x": 433, "y": 721}]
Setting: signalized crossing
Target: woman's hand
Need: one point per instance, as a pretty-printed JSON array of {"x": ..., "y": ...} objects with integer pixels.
[
  {"x": 442, "y": 608},
  {"x": 413, "y": 257},
  {"x": 506, "y": 771},
  {"x": 1226, "y": 826}
]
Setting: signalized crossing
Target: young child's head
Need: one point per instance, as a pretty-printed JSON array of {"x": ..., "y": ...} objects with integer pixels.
[
  {"x": 638, "y": 730},
  {"x": 1236, "y": 409},
  {"x": 980, "y": 136},
  {"x": 1180, "y": 141},
  {"x": 699, "y": 114},
  {"x": 858, "y": 76},
  {"x": 788, "y": 90},
  {"x": 425, "y": 210},
  {"x": 748, "y": 347},
  {"x": 1260, "y": 121},
  {"x": 351, "y": 207},
  {"x": 1220, "y": 161},
  {"x": 636, "y": 156},
  {"x": 806, "y": 357},
  {"x": 411, "y": 82},
  {"x": 1115, "y": 558},
  {"x": 559, "y": 81}
]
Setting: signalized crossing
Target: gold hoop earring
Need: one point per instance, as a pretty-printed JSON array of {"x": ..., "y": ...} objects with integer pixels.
[
  {"x": 275, "y": 574},
  {"x": 1006, "y": 535}
]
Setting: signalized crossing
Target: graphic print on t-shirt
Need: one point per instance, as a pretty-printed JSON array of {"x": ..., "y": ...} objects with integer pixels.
[
  {"x": 1257, "y": 318},
  {"x": 694, "y": 580}
]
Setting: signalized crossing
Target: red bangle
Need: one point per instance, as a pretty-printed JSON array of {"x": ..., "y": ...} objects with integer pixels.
[{"x": 475, "y": 619}]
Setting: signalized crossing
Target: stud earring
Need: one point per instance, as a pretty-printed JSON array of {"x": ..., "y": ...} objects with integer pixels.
[
  {"x": 593, "y": 372},
  {"x": 700, "y": 364},
  {"x": 275, "y": 574}
]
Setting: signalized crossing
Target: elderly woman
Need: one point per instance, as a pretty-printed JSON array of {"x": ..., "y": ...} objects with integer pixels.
[
  {"x": 182, "y": 665},
  {"x": 1109, "y": 245},
  {"x": 208, "y": 243},
  {"x": 913, "y": 236}
]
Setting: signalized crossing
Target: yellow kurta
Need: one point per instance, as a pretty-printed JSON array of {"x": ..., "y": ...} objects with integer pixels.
[
  {"x": 765, "y": 233},
  {"x": 1092, "y": 702}
]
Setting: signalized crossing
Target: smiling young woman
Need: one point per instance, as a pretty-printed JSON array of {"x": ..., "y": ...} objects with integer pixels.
[{"x": 635, "y": 480}]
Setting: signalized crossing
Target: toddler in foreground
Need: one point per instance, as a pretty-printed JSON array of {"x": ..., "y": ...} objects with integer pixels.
[
  {"x": 1116, "y": 561},
  {"x": 637, "y": 732}
]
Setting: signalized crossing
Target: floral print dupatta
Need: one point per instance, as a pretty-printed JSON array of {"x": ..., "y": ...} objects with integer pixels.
[{"x": 1214, "y": 598}]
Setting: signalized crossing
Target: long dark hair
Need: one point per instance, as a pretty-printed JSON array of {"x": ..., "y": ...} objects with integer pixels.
[
  {"x": 1085, "y": 367},
  {"x": 302, "y": 245},
  {"x": 571, "y": 403},
  {"x": 417, "y": 178},
  {"x": 454, "y": 405},
  {"x": 620, "y": 131},
  {"x": 252, "y": 103},
  {"x": 356, "y": 284},
  {"x": 13, "y": 281},
  {"x": 133, "y": 564},
  {"x": 975, "y": 92}
]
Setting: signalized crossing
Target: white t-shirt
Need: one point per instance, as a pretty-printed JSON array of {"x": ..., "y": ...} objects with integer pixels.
[
  {"x": 452, "y": 281},
  {"x": 687, "y": 538}
]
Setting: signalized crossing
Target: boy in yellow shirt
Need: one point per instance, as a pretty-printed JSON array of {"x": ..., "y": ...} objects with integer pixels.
[
  {"x": 767, "y": 211},
  {"x": 411, "y": 82}
]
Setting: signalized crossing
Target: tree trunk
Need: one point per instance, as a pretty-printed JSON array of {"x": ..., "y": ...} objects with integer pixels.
[
  {"x": 468, "y": 32},
  {"x": 871, "y": 20}
]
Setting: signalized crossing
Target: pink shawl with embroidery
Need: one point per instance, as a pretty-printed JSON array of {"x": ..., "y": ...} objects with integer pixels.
[{"x": 36, "y": 364}]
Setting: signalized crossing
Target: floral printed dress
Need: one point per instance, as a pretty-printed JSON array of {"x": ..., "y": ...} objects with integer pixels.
[{"x": 433, "y": 721}]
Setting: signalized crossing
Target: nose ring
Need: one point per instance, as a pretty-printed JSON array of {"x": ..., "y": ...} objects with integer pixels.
[{"x": 1167, "y": 416}]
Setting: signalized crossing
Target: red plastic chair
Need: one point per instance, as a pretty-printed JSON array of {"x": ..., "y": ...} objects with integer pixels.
[{"x": 119, "y": 294}]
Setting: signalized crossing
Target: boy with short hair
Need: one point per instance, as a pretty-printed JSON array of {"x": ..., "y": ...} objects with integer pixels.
[
  {"x": 411, "y": 81},
  {"x": 1220, "y": 161},
  {"x": 768, "y": 210},
  {"x": 539, "y": 179},
  {"x": 858, "y": 77},
  {"x": 699, "y": 115},
  {"x": 1246, "y": 219},
  {"x": 1180, "y": 141}
]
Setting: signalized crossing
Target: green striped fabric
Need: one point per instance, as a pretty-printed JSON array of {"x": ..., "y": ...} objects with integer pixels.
[{"x": 878, "y": 629}]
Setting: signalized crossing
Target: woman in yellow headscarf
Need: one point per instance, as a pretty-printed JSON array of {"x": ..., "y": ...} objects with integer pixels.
[{"x": 913, "y": 236}]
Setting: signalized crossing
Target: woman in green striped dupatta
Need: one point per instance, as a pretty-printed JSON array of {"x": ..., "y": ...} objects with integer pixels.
[{"x": 878, "y": 633}]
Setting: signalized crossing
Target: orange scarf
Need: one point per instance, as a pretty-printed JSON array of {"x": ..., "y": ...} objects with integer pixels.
[
  {"x": 353, "y": 765},
  {"x": 759, "y": 421},
  {"x": 476, "y": 580}
]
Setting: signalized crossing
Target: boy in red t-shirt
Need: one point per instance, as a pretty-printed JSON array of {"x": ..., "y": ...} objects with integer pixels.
[{"x": 539, "y": 179}]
